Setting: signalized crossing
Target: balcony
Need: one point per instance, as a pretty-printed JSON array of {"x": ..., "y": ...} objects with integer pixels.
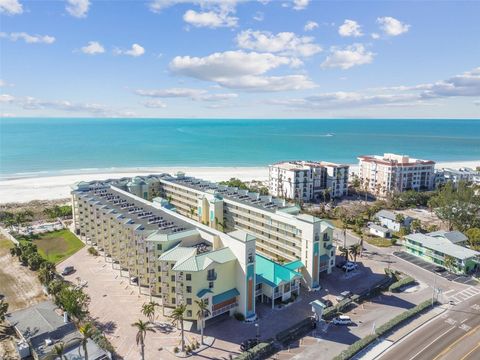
[
  {"x": 212, "y": 277},
  {"x": 224, "y": 309},
  {"x": 258, "y": 292}
]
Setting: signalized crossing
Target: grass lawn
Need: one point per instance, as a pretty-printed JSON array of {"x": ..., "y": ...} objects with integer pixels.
[
  {"x": 5, "y": 243},
  {"x": 56, "y": 246},
  {"x": 378, "y": 241}
]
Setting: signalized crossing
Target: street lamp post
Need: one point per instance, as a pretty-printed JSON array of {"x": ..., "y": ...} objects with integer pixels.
[{"x": 257, "y": 326}]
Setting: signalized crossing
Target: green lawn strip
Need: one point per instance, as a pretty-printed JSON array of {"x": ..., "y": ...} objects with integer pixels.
[
  {"x": 56, "y": 246},
  {"x": 5, "y": 243},
  {"x": 380, "y": 242}
]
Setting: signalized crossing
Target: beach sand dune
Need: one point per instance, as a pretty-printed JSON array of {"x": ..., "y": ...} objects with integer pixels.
[{"x": 58, "y": 187}]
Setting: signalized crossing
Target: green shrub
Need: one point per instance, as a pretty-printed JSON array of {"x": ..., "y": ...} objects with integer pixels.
[
  {"x": 296, "y": 331},
  {"x": 356, "y": 347},
  {"x": 260, "y": 351},
  {"x": 397, "y": 286},
  {"x": 239, "y": 316},
  {"x": 176, "y": 349},
  {"x": 92, "y": 251}
]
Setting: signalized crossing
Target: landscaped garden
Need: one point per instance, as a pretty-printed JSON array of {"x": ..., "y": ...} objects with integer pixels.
[{"x": 56, "y": 246}]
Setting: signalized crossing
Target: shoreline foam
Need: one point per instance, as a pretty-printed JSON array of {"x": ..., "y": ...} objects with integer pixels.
[{"x": 47, "y": 187}]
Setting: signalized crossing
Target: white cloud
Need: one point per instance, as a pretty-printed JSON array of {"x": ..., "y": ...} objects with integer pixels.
[
  {"x": 3, "y": 83},
  {"x": 11, "y": 7},
  {"x": 466, "y": 84},
  {"x": 154, "y": 104},
  {"x": 210, "y": 19},
  {"x": 241, "y": 70},
  {"x": 391, "y": 26},
  {"x": 300, "y": 4},
  {"x": 285, "y": 43},
  {"x": 29, "y": 39},
  {"x": 347, "y": 57},
  {"x": 93, "y": 47},
  {"x": 375, "y": 36},
  {"x": 259, "y": 16},
  {"x": 350, "y": 28},
  {"x": 32, "y": 103},
  {"x": 78, "y": 8},
  {"x": 194, "y": 94},
  {"x": 135, "y": 51},
  {"x": 310, "y": 25}
]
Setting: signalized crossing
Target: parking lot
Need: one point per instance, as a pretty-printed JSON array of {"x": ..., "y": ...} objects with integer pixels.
[{"x": 461, "y": 279}]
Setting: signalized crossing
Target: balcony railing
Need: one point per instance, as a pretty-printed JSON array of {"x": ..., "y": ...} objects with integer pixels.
[
  {"x": 212, "y": 277},
  {"x": 224, "y": 309}
]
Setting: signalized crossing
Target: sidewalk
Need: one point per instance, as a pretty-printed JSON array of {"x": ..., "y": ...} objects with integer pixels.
[{"x": 372, "y": 352}]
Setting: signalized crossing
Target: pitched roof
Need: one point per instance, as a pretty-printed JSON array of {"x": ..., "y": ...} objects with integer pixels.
[
  {"x": 202, "y": 261},
  {"x": 202, "y": 292},
  {"x": 294, "y": 265},
  {"x": 178, "y": 253},
  {"x": 452, "y": 236},
  {"x": 217, "y": 299},
  {"x": 379, "y": 228},
  {"x": 444, "y": 246},
  {"x": 272, "y": 273}
]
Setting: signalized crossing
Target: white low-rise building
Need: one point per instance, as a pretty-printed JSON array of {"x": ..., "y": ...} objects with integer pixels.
[
  {"x": 392, "y": 221},
  {"x": 444, "y": 175},
  {"x": 308, "y": 180},
  {"x": 379, "y": 231}
]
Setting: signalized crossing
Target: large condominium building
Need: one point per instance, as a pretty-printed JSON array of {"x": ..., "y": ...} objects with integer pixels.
[
  {"x": 308, "y": 180},
  {"x": 390, "y": 173},
  {"x": 177, "y": 258},
  {"x": 282, "y": 233},
  {"x": 444, "y": 175}
]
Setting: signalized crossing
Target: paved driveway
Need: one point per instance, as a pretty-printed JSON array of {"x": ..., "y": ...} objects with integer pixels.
[{"x": 461, "y": 279}]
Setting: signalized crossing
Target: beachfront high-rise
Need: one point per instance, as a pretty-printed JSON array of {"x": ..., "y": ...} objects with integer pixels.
[
  {"x": 308, "y": 180},
  {"x": 301, "y": 242},
  {"x": 390, "y": 173}
]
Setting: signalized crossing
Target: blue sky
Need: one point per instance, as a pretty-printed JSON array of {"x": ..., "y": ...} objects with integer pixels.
[{"x": 234, "y": 58}]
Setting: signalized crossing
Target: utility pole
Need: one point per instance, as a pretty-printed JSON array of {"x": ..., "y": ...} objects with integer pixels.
[{"x": 434, "y": 287}]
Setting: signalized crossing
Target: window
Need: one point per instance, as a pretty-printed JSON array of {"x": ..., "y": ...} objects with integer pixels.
[
  {"x": 173, "y": 300},
  {"x": 159, "y": 246},
  {"x": 172, "y": 277},
  {"x": 189, "y": 313},
  {"x": 188, "y": 277},
  {"x": 189, "y": 289},
  {"x": 189, "y": 301},
  {"x": 210, "y": 285}
]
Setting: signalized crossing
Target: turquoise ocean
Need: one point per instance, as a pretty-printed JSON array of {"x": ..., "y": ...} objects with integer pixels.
[{"x": 42, "y": 146}]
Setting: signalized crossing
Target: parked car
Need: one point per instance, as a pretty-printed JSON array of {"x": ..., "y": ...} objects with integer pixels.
[
  {"x": 134, "y": 280},
  {"x": 340, "y": 264},
  {"x": 342, "y": 320},
  {"x": 248, "y": 344},
  {"x": 344, "y": 295},
  {"x": 67, "y": 270},
  {"x": 439, "y": 269},
  {"x": 327, "y": 302},
  {"x": 349, "y": 266}
]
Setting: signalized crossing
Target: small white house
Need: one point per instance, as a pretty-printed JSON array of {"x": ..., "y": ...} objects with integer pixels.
[
  {"x": 380, "y": 231},
  {"x": 388, "y": 219}
]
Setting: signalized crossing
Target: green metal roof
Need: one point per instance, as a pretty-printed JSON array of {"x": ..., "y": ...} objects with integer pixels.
[
  {"x": 294, "y": 265},
  {"x": 178, "y": 253},
  {"x": 324, "y": 257},
  {"x": 202, "y": 292},
  {"x": 227, "y": 295},
  {"x": 273, "y": 274},
  {"x": 201, "y": 262}
]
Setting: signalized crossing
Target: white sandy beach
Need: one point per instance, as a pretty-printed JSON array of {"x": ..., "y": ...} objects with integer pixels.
[{"x": 58, "y": 187}]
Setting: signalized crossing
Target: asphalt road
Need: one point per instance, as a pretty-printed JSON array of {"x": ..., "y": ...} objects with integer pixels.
[{"x": 455, "y": 335}]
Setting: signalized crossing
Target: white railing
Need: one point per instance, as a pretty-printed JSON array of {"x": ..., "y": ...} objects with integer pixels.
[
  {"x": 258, "y": 292},
  {"x": 224, "y": 309}
]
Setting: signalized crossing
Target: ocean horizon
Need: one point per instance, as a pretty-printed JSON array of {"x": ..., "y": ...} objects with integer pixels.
[{"x": 44, "y": 146}]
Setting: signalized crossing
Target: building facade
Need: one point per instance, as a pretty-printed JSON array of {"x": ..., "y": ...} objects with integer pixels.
[
  {"x": 308, "y": 180},
  {"x": 282, "y": 233},
  {"x": 444, "y": 175},
  {"x": 391, "y": 173},
  {"x": 441, "y": 248},
  {"x": 173, "y": 257}
]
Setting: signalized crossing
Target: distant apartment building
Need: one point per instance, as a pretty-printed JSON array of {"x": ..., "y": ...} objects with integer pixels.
[
  {"x": 282, "y": 233},
  {"x": 390, "y": 173},
  {"x": 444, "y": 175},
  {"x": 308, "y": 180}
]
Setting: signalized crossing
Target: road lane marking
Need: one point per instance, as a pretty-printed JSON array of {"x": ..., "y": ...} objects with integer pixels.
[
  {"x": 448, "y": 348},
  {"x": 451, "y": 321},
  {"x": 470, "y": 352},
  {"x": 475, "y": 307},
  {"x": 461, "y": 322},
  {"x": 465, "y": 327},
  {"x": 430, "y": 344}
]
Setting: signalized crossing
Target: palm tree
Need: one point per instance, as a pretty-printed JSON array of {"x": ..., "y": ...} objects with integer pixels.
[
  {"x": 177, "y": 317},
  {"x": 202, "y": 313},
  {"x": 3, "y": 309},
  {"x": 192, "y": 211},
  {"x": 344, "y": 251},
  {"x": 87, "y": 330},
  {"x": 355, "y": 249},
  {"x": 449, "y": 262},
  {"x": 400, "y": 219},
  {"x": 57, "y": 352},
  {"x": 142, "y": 328},
  {"x": 148, "y": 309}
]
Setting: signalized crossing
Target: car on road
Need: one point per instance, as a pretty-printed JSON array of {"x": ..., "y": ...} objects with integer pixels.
[
  {"x": 439, "y": 269},
  {"x": 344, "y": 295},
  {"x": 340, "y": 264},
  {"x": 67, "y": 270},
  {"x": 248, "y": 344},
  {"x": 342, "y": 320},
  {"x": 349, "y": 266}
]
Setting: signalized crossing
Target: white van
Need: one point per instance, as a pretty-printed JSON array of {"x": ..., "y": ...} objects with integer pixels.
[{"x": 342, "y": 320}]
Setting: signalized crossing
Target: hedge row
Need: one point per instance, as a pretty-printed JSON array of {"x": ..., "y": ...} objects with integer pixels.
[
  {"x": 382, "y": 330},
  {"x": 260, "y": 351},
  {"x": 397, "y": 286},
  {"x": 294, "y": 332}
]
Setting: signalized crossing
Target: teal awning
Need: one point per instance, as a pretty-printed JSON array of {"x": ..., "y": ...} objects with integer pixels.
[
  {"x": 202, "y": 292},
  {"x": 294, "y": 265},
  {"x": 227, "y": 295},
  {"x": 324, "y": 258}
]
